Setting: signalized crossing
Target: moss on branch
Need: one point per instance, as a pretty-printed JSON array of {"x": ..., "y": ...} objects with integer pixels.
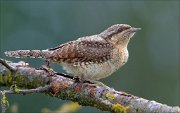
[{"x": 86, "y": 94}]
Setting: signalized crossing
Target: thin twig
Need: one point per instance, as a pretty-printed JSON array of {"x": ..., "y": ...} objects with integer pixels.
[
  {"x": 43, "y": 89},
  {"x": 3, "y": 62},
  {"x": 4, "y": 102},
  {"x": 13, "y": 71}
]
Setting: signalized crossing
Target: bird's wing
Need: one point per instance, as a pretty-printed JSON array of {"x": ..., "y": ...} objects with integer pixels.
[{"x": 82, "y": 51}]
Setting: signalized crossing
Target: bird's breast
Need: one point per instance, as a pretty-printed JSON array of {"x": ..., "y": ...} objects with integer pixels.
[{"x": 97, "y": 71}]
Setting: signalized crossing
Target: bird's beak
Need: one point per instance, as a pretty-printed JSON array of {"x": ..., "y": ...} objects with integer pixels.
[{"x": 133, "y": 29}]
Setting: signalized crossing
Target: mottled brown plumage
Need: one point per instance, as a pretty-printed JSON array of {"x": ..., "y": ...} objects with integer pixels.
[
  {"x": 83, "y": 51},
  {"x": 90, "y": 57}
]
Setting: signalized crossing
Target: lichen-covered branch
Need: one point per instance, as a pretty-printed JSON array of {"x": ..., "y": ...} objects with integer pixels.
[{"x": 87, "y": 94}]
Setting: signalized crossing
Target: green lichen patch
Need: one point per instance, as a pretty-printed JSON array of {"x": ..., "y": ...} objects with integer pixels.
[
  {"x": 110, "y": 96},
  {"x": 15, "y": 88},
  {"x": 7, "y": 80},
  {"x": 4, "y": 100},
  {"x": 118, "y": 108}
]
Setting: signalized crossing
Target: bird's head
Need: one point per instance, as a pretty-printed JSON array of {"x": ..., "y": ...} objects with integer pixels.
[{"x": 119, "y": 34}]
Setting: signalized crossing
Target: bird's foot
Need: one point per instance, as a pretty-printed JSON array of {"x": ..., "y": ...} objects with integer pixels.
[
  {"x": 82, "y": 79},
  {"x": 47, "y": 64},
  {"x": 48, "y": 70},
  {"x": 77, "y": 78}
]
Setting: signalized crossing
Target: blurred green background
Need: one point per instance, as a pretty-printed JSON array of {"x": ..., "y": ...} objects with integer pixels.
[{"x": 152, "y": 71}]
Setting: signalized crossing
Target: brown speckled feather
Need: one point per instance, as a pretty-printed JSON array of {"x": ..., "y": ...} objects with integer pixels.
[
  {"x": 90, "y": 57},
  {"x": 82, "y": 52}
]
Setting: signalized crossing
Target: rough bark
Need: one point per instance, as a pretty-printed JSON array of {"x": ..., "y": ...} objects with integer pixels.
[{"x": 87, "y": 94}]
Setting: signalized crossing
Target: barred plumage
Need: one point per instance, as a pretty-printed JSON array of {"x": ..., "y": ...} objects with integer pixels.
[
  {"x": 82, "y": 51},
  {"x": 90, "y": 57}
]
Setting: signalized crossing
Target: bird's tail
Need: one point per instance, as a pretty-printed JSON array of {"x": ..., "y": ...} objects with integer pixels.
[{"x": 29, "y": 53}]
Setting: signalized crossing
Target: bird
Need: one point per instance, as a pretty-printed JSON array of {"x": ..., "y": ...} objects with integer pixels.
[{"x": 89, "y": 57}]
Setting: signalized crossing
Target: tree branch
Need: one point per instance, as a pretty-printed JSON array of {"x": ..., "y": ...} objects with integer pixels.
[{"x": 87, "y": 94}]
